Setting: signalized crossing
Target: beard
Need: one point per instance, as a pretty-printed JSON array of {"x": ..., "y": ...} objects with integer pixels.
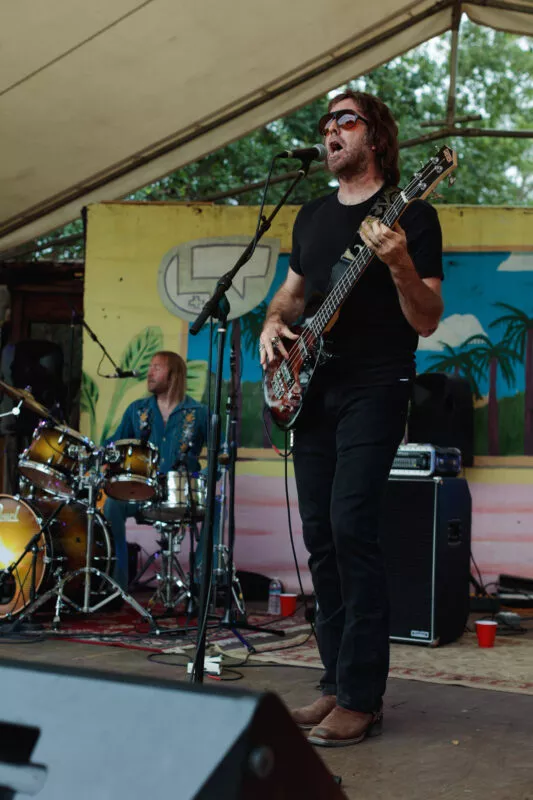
[{"x": 348, "y": 164}]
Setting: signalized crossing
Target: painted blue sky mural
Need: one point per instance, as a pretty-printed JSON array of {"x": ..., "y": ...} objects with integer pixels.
[
  {"x": 474, "y": 283},
  {"x": 494, "y": 363}
]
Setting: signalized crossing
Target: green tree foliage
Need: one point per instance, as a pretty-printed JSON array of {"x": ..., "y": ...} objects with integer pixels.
[{"x": 494, "y": 80}]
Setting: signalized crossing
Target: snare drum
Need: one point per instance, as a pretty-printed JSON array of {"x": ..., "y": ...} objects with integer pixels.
[
  {"x": 52, "y": 459},
  {"x": 173, "y": 500},
  {"x": 61, "y": 545},
  {"x": 131, "y": 473}
]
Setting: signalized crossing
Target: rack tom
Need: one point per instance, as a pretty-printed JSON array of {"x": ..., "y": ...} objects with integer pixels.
[
  {"x": 52, "y": 460},
  {"x": 131, "y": 470}
]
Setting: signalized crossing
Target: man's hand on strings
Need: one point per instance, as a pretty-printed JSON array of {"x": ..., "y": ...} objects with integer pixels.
[
  {"x": 271, "y": 339},
  {"x": 389, "y": 244}
]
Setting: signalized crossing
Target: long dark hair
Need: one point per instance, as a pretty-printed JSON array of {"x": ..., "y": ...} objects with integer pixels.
[
  {"x": 382, "y": 131},
  {"x": 177, "y": 372}
]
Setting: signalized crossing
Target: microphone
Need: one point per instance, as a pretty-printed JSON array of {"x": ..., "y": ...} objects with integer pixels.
[
  {"x": 315, "y": 153},
  {"x": 124, "y": 373}
]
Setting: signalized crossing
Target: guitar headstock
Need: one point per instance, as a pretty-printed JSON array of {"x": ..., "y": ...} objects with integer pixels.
[{"x": 426, "y": 179}]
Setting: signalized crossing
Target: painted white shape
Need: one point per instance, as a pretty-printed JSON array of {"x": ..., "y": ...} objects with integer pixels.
[
  {"x": 188, "y": 274},
  {"x": 517, "y": 262},
  {"x": 453, "y": 330}
]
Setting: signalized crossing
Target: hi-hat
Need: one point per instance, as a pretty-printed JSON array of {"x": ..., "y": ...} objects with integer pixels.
[{"x": 27, "y": 399}]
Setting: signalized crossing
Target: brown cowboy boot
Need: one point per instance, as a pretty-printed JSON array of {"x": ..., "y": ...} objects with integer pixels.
[
  {"x": 343, "y": 727},
  {"x": 309, "y": 716}
]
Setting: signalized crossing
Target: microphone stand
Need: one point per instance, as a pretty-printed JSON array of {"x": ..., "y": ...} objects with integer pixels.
[
  {"x": 95, "y": 338},
  {"x": 234, "y": 618},
  {"x": 217, "y": 307}
]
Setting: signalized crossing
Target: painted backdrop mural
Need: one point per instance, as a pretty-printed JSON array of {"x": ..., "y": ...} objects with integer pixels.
[{"x": 138, "y": 252}]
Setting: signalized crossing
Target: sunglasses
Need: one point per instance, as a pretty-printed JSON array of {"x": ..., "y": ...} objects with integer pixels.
[{"x": 345, "y": 119}]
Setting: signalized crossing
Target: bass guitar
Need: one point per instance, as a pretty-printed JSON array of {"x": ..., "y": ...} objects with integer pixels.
[{"x": 286, "y": 380}]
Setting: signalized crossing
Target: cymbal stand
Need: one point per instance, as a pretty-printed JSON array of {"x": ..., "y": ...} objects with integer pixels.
[
  {"x": 89, "y": 478},
  {"x": 234, "y": 618},
  {"x": 222, "y": 555}
]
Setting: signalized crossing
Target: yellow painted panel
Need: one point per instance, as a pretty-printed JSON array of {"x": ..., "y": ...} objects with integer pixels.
[{"x": 486, "y": 228}]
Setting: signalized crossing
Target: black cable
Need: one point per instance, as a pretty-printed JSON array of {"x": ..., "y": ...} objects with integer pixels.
[
  {"x": 99, "y": 365},
  {"x": 220, "y": 677},
  {"x": 483, "y": 587},
  {"x": 276, "y": 449},
  {"x": 291, "y": 536},
  {"x": 153, "y": 657}
]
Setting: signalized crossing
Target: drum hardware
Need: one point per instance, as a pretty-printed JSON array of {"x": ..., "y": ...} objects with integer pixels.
[
  {"x": 173, "y": 585},
  {"x": 172, "y": 518},
  {"x": 24, "y": 396},
  {"x": 91, "y": 475}
]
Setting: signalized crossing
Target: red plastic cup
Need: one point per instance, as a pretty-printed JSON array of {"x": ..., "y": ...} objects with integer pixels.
[
  {"x": 486, "y": 632},
  {"x": 288, "y": 604}
]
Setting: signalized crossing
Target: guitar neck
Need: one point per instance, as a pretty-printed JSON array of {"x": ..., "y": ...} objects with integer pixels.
[{"x": 353, "y": 272}]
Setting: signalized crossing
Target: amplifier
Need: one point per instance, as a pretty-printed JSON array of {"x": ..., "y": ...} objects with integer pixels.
[
  {"x": 426, "y": 460},
  {"x": 425, "y": 537}
]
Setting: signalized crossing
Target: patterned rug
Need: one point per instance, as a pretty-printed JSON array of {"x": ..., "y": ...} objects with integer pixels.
[{"x": 507, "y": 667}]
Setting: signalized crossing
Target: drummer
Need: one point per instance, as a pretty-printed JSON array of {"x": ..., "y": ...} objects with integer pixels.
[{"x": 171, "y": 421}]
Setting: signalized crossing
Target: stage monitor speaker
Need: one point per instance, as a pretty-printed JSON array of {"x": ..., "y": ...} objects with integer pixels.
[
  {"x": 99, "y": 737},
  {"x": 425, "y": 535},
  {"x": 442, "y": 413}
]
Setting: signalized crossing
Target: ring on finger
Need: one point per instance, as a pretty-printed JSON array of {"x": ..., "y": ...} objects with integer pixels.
[{"x": 275, "y": 341}]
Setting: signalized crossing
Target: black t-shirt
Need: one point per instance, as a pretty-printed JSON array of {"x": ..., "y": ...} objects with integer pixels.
[{"x": 371, "y": 339}]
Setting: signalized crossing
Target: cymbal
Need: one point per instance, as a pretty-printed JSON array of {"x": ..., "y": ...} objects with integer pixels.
[{"x": 27, "y": 399}]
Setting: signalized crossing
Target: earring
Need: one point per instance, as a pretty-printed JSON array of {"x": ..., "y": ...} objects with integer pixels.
[{"x": 373, "y": 147}]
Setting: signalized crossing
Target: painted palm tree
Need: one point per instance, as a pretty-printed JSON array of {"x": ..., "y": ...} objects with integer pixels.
[
  {"x": 519, "y": 336},
  {"x": 457, "y": 362},
  {"x": 251, "y": 327},
  {"x": 489, "y": 356}
]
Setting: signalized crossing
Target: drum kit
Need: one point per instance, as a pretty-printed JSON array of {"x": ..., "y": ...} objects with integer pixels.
[{"x": 54, "y": 542}]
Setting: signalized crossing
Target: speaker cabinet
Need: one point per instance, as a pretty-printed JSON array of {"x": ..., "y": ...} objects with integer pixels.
[
  {"x": 442, "y": 413},
  {"x": 425, "y": 536},
  {"x": 94, "y": 737}
]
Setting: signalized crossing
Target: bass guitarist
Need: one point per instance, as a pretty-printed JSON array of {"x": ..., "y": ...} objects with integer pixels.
[{"x": 354, "y": 414}]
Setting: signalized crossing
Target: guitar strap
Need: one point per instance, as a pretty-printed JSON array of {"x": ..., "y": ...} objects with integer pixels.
[{"x": 382, "y": 202}]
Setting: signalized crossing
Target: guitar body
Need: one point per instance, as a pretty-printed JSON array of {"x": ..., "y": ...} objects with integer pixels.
[{"x": 286, "y": 381}]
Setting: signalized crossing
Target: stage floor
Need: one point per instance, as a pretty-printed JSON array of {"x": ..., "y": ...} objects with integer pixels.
[{"x": 438, "y": 742}]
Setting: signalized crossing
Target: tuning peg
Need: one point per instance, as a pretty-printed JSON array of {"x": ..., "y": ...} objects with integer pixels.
[{"x": 451, "y": 180}]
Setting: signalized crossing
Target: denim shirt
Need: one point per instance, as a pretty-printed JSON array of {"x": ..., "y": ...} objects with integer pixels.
[{"x": 187, "y": 424}]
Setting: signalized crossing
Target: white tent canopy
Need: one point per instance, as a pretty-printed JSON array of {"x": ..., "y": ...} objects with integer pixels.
[{"x": 100, "y": 98}]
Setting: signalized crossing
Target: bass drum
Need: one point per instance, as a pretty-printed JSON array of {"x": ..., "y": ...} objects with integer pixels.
[{"x": 61, "y": 545}]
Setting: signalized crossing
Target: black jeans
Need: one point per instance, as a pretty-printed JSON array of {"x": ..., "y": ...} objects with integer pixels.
[{"x": 344, "y": 445}]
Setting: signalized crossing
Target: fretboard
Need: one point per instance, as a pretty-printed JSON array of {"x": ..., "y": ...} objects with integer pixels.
[{"x": 353, "y": 271}]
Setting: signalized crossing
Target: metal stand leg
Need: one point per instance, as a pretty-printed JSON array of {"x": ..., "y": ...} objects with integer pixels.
[{"x": 173, "y": 586}]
